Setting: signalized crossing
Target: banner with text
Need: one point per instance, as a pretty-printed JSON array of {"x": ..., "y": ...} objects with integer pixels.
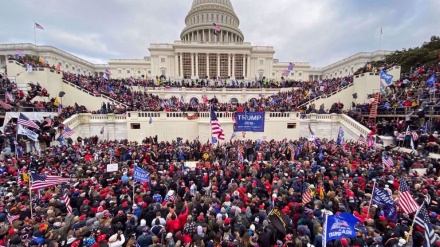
[{"x": 249, "y": 121}]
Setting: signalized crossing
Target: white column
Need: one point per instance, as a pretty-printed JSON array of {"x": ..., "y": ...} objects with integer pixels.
[
  {"x": 192, "y": 65},
  {"x": 244, "y": 64},
  {"x": 203, "y": 35},
  {"x": 233, "y": 66},
  {"x": 218, "y": 64},
  {"x": 181, "y": 65},
  {"x": 197, "y": 66},
  {"x": 207, "y": 64},
  {"x": 229, "y": 64},
  {"x": 248, "y": 66},
  {"x": 176, "y": 64}
]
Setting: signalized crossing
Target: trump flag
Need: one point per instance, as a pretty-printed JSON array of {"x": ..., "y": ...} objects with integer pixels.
[{"x": 338, "y": 226}]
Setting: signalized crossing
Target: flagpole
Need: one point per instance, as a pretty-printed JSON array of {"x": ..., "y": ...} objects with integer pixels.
[
  {"x": 35, "y": 36},
  {"x": 134, "y": 186},
  {"x": 210, "y": 127},
  {"x": 380, "y": 39},
  {"x": 371, "y": 200},
  {"x": 30, "y": 194},
  {"x": 412, "y": 225}
]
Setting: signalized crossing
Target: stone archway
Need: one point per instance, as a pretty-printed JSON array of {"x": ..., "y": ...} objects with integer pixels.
[{"x": 193, "y": 101}]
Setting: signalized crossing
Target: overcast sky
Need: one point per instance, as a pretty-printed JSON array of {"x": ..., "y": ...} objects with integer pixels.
[{"x": 319, "y": 31}]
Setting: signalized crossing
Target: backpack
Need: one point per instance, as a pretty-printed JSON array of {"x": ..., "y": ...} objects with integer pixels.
[{"x": 302, "y": 241}]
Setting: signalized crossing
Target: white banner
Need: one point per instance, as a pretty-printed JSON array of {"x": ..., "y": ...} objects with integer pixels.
[
  {"x": 29, "y": 133},
  {"x": 112, "y": 167},
  {"x": 191, "y": 164}
]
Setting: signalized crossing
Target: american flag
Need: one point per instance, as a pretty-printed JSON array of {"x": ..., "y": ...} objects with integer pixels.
[
  {"x": 414, "y": 135},
  {"x": 39, "y": 26},
  {"x": 23, "y": 120},
  {"x": 19, "y": 179},
  {"x": 5, "y": 105},
  {"x": 40, "y": 181},
  {"x": 12, "y": 218},
  {"x": 292, "y": 151},
  {"x": 306, "y": 197},
  {"x": 406, "y": 201},
  {"x": 362, "y": 139},
  {"x": 67, "y": 131},
  {"x": 66, "y": 200},
  {"x": 216, "y": 27},
  {"x": 216, "y": 128},
  {"x": 422, "y": 219},
  {"x": 387, "y": 160},
  {"x": 60, "y": 110},
  {"x": 170, "y": 198},
  {"x": 400, "y": 137}
]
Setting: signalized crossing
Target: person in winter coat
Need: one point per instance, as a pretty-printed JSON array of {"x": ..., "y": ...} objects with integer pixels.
[
  {"x": 116, "y": 240},
  {"x": 170, "y": 240},
  {"x": 377, "y": 242}
]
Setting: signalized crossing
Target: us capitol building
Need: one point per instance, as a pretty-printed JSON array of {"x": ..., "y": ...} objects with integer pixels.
[{"x": 202, "y": 52}]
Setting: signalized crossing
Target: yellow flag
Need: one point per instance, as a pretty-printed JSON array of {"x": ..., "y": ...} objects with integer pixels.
[
  {"x": 41, "y": 60},
  {"x": 321, "y": 193},
  {"x": 56, "y": 103},
  {"x": 25, "y": 177}
]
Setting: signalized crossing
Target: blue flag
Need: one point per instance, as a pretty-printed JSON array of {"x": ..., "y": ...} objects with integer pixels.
[
  {"x": 391, "y": 213},
  {"x": 232, "y": 136},
  {"x": 140, "y": 175},
  {"x": 431, "y": 80},
  {"x": 381, "y": 198},
  {"x": 61, "y": 140},
  {"x": 338, "y": 226},
  {"x": 317, "y": 142},
  {"x": 19, "y": 151},
  {"x": 340, "y": 136},
  {"x": 321, "y": 156},
  {"x": 386, "y": 77},
  {"x": 214, "y": 139}
]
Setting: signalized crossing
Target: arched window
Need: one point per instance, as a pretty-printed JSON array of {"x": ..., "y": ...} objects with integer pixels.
[
  {"x": 193, "y": 101},
  {"x": 234, "y": 101}
]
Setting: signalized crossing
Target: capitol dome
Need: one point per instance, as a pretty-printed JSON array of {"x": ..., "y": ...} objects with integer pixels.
[{"x": 201, "y": 17}]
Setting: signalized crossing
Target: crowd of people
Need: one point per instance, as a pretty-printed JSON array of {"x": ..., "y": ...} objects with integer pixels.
[
  {"x": 408, "y": 100},
  {"x": 125, "y": 92},
  {"x": 122, "y": 91},
  {"x": 226, "y": 200}
]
